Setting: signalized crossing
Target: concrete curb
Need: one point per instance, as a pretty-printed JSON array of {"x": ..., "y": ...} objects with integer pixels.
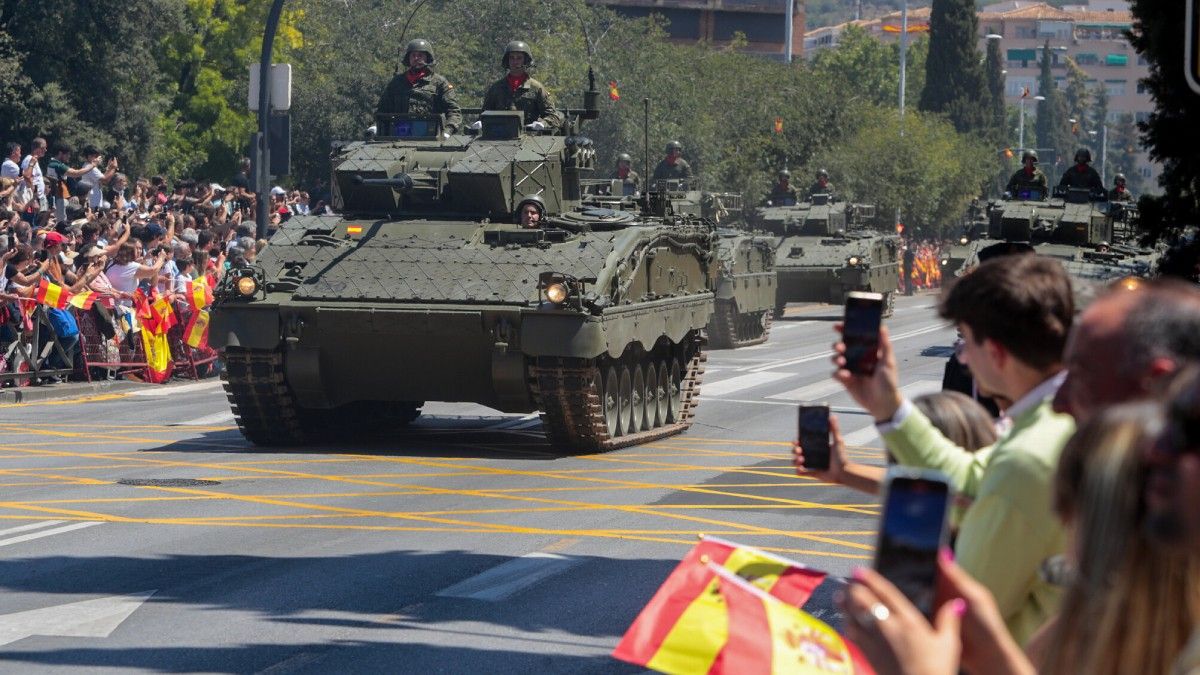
[{"x": 49, "y": 392}]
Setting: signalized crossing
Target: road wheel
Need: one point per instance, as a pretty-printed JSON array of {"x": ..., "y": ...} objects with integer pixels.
[
  {"x": 639, "y": 400},
  {"x": 625, "y": 411},
  {"x": 674, "y": 391},
  {"x": 612, "y": 403},
  {"x": 653, "y": 418}
]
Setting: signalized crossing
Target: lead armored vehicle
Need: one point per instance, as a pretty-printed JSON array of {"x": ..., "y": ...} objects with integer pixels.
[
  {"x": 829, "y": 248},
  {"x": 423, "y": 288}
]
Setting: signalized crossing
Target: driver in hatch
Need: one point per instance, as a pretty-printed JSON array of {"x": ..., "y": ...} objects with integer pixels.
[{"x": 1028, "y": 177}]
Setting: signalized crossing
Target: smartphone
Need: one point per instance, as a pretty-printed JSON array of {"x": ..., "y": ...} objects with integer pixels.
[
  {"x": 913, "y": 528},
  {"x": 860, "y": 333},
  {"x": 814, "y": 436}
]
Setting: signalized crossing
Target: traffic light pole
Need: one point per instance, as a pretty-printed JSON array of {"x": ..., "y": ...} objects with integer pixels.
[{"x": 262, "y": 153}]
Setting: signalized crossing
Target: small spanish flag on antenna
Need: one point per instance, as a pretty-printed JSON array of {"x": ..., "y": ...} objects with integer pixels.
[
  {"x": 1008, "y": 153},
  {"x": 614, "y": 94},
  {"x": 779, "y": 125}
]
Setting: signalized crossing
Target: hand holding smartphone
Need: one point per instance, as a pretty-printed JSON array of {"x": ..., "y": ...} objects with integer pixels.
[
  {"x": 860, "y": 331},
  {"x": 913, "y": 529},
  {"x": 814, "y": 436}
]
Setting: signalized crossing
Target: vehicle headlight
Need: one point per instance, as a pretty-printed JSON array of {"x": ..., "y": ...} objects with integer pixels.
[
  {"x": 945, "y": 261},
  {"x": 853, "y": 260},
  {"x": 247, "y": 286},
  {"x": 964, "y": 241},
  {"x": 557, "y": 293}
]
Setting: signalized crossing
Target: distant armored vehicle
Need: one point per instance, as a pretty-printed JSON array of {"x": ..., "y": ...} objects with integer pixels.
[
  {"x": 423, "y": 288},
  {"x": 829, "y": 249}
]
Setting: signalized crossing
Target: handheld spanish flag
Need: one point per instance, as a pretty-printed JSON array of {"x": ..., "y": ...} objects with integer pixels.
[
  {"x": 1024, "y": 92},
  {"x": 197, "y": 293},
  {"x": 158, "y": 356},
  {"x": 679, "y": 632},
  {"x": 766, "y": 635},
  {"x": 779, "y": 125},
  {"x": 83, "y": 300},
  {"x": 164, "y": 315},
  {"x": 195, "y": 334},
  {"x": 614, "y": 94},
  {"x": 52, "y": 295}
]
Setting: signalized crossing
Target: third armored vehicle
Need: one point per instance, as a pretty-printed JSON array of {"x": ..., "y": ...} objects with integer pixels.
[
  {"x": 828, "y": 249},
  {"x": 424, "y": 288}
]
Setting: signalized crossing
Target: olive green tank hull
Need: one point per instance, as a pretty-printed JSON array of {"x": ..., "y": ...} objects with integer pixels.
[{"x": 745, "y": 294}]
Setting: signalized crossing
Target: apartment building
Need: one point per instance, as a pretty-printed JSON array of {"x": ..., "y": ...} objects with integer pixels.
[
  {"x": 1092, "y": 35},
  {"x": 716, "y": 22}
]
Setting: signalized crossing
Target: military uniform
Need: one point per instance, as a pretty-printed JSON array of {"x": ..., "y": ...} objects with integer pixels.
[
  {"x": 818, "y": 189},
  {"x": 680, "y": 170},
  {"x": 781, "y": 195},
  {"x": 530, "y": 97},
  {"x": 1120, "y": 195},
  {"x": 430, "y": 94},
  {"x": 1028, "y": 181},
  {"x": 632, "y": 182},
  {"x": 1087, "y": 178}
]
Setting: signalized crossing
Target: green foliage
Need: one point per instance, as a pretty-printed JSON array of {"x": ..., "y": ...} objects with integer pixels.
[
  {"x": 1098, "y": 117},
  {"x": 931, "y": 173},
  {"x": 997, "y": 115},
  {"x": 1170, "y": 133},
  {"x": 1123, "y": 148},
  {"x": 954, "y": 76},
  {"x": 870, "y": 68},
  {"x": 1053, "y": 128}
]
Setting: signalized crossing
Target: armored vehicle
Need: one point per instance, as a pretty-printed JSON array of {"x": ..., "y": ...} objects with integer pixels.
[
  {"x": 1094, "y": 239},
  {"x": 423, "y": 287},
  {"x": 827, "y": 249}
]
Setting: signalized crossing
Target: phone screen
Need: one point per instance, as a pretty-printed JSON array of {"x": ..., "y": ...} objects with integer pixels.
[
  {"x": 814, "y": 436},
  {"x": 912, "y": 531},
  {"x": 864, "y": 312}
]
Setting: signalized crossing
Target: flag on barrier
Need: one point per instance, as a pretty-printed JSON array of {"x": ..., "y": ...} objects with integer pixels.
[
  {"x": 679, "y": 631},
  {"x": 83, "y": 300},
  {"x": 164, "y": 314},
  {"x": 195, "y": 334},
  {"x": 52, "y": 295},
  {"x": 197, "y": 293}
]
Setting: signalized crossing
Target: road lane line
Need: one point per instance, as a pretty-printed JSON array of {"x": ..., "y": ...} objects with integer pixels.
[
  {"x": 208, "y": 420},
  {"x": 31, "y": 526},
  {"x": 826, "y": 354},
  {"x": 47, "y": 533},
  {"x": 735, "y": 384},
  {"x": 177, "y": 389},
  {"x": 811, "y": 392},
  {"x": 921, "y": 387},
  {"x": 506, "y": 579},
  {"x": 861, "y": 437}
]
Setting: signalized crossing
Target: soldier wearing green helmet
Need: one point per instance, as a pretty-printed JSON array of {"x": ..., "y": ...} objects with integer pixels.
[
  {"x": 1082, "y": 175},
  {"x": 821, "y": 186},
  {"x": 1028, "y": 179},
  {"x": 673, "y": 166},
  {"x": 518, "y": 91},
  {"x": 782, "y": 193},
  {"x": 420, "y": 91},
  {"x": 1119, "y": 193},
  {"x": 630, "y": 180}
]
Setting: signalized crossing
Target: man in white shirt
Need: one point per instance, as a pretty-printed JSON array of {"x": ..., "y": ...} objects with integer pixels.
[
  {"x": 95, "y": 177},
  {"x": 31, "y": 169},
  {"x": 12, "y": 155}
]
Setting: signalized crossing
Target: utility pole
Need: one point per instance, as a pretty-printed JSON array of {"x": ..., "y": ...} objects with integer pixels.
[
  {"x": 1104, "y": 152},
  {"x": 262, "y": 152},
  {"x": 903, "y": 77},
  {"x": 787, "y": 30}
]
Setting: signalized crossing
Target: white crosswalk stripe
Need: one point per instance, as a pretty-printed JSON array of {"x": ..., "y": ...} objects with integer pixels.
[
  {"x": 740, "y": 382},
  {"x": 921, "y": 387},
  {"x": 862, "y": 436},
  {"x": 810, "y": 392},
  {"x": 39, "y": 532}
]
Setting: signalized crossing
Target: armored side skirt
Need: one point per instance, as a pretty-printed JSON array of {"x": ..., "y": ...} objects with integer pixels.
[
  {"x": 480, "y": 354},
  {"x": 754, "y": 292}
]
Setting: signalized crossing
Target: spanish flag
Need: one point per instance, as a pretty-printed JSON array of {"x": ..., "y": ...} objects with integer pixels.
[
  {"x": 158, "y": 356},
  {"x": 83, "y": 300},
  {"x": 195, "y": 334},
  {"x": 769, "y": 636},
  {"x": 614, "y": 94},
  {"x": 678, "y": 631},
  {"x": 52, "y": 295},
  {"x": 197, "y": 294},
  {"x": 779, "y": 125},
  {"x": 164, "y": 315}
]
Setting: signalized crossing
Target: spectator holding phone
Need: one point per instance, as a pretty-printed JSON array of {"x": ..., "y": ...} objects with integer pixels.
[
  {"x": 95, "y": 179},
  {"x": 31, "y": 171},
  {"x": 1014, "y": 315}
]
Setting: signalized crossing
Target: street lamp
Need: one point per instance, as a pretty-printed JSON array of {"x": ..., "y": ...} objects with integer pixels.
[{"x": 1021, "y": 129}]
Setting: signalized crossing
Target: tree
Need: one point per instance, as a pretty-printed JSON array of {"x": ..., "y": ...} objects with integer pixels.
[
  {"x": 1123, "y": 149},
  {"x": 954, "y": 82},
  {"x": 1170, "y": 132},
  {"x": 1098, "y": 118},
  {"x": 997, "y": 114},
  {"x": 931, "y": 173},
  {"x": 1077, "y": 97},
  {"x": 1053, "y": 129},
  {"x": 870, "y": 68}
]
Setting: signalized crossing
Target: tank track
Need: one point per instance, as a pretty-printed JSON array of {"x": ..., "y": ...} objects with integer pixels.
[
  {"x": 263, "y": 405},
  {"x": 727, "y": 329},
  {"x": 570, "y": 393}
]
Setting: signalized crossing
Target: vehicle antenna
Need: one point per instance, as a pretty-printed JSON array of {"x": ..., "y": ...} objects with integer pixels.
[{"x": 646, "y": 139}]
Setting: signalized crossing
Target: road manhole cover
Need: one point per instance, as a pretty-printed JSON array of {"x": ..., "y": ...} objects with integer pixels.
[{"x": 167, "y": 482}]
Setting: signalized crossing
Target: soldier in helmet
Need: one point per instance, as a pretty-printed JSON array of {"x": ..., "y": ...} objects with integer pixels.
[
  {"x": 624, "y": 172},
  {"x": 822, "y": 186},
  {"x": 530, "y": 212},
  {"x": 1082, "y": 175},
  {"x": 420, "y": 91},
  {"x": 1119, "y": 193},
  {"x": 1028, "y": 178},
  {"x": 782, "y": 193},
  {"x": 518, "y": 91},
  {"x": 673, "y": 166}
]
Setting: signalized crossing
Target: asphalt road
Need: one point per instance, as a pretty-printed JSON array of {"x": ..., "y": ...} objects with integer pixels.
[{"x": 464, "y": 544}]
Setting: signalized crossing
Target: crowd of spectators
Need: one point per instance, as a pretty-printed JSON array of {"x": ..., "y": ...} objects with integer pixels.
[
  {"x": 1079, "y": 547},
  {"x": 84, "y": 225}
]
